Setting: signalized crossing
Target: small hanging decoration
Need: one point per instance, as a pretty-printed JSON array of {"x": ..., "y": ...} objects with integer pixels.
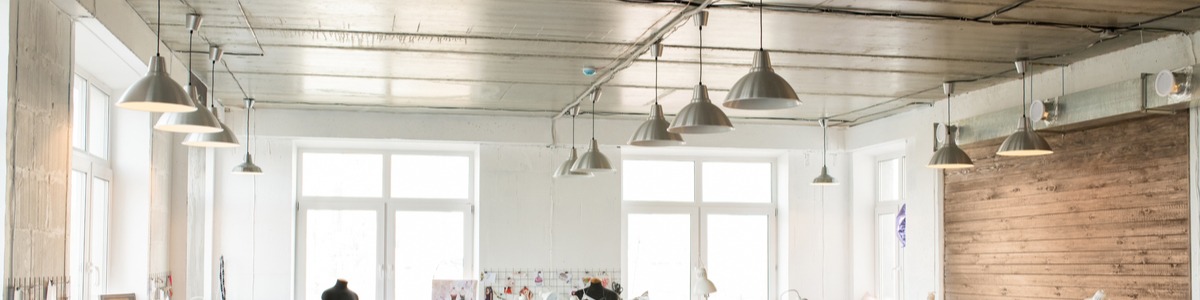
[{"x": 901, "y": 222}]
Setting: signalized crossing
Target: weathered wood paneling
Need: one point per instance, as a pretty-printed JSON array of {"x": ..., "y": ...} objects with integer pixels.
[{"x": 1108, "y": 210}]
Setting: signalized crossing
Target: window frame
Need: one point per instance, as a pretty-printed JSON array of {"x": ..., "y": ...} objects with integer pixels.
[
  {"x": 882, "y": 208},
  {"x": 698, "y": 212},
  {"x": 93, "y": 167},
  {"x": 386, "y": 207}
]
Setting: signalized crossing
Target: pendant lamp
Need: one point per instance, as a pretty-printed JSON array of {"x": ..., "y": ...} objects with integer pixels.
[
  {"x": 824, "y": 178},
  {"x": 701, "y": 116},
  {"x": 564, "y": 170},
  {"x": 200, "y": 120},
  {"x": 248, "y": 167},
  {"x": 1024, "y": 141},
  {"x": 593, "y": 161},
  {"x": 156, "y": 92},
  {"x": 221, "y": 139},
  {"x": 950, "y": 156},
  {"x": 653, "y": 131},
  {"x": 762, "y": 88}
]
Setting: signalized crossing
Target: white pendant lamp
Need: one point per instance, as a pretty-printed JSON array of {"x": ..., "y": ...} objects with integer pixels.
[
  {"x": 1024, "y": 141},
  {"x": 156, "y": 92},
  {"x": 950, "y": 156},
  {"x": 221, "y": 139},
  {"x": 653, "y": 131},
  {"x": 824, "y": 178},
  {"x": 248, "y": 167},
  {"x": 593, "y": 160},
  {"x": 762, "y": 88},
  {"x": 199, "y": 120},
  {"x": 701, "y": 116},
  {"x": 564, "y": 170}
]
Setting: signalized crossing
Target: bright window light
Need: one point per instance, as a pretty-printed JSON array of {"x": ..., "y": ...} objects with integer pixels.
[
  {"x": 342, "y": 175},
  {"x": 429, "y": 245},
  {"x": 736, "y": 182},
  {"x": 658, "y": 180},
  {"x": 340, "y": 244},
  {"x": 659, "y": 255},
  {"x": 431, "y": 176},
  {"x": 738, "y": 256}
]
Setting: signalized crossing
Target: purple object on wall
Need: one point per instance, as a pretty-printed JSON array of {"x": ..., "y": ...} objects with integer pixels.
[{"x": 901, "y": 220}]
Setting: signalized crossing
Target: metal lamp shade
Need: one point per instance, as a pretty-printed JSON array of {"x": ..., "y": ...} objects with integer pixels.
[
  {"x": 701, "y": 285},
  {"x": 701, "y": 116},
  {"x": 156, "y": 92},
  {"x": 653, "y": 131},
  {"x": 950, "y": 156},
  {"x": 762, "y": 88},
  {"x": 564, "y": 170},
  {"x": 220, "y": 139},
  {"x": 201, "y": 120},
  {"x": 247, "y": 167},
  {"x": 824, "y": 178},
  {"x": 592, "y": 161},
  {"x": 1024, "y": 142}
]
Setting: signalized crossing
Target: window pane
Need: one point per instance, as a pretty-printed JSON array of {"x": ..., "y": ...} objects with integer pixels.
[
  {"x": 429, "y": 245},
  {"x": 98, "y": 236},
  {"x": 887, "y": 268},
  {"x": 79, "y": 109},
  {"x": 78, "y": 235},
  {"x": 659, "y": 255},
  {"x": 736, "y": 182},
  {"x": 431, "y": 176},
  {"x": 645, "y": 180},
  {"x": 738, "y": 256},
  {"x": 889, "y": 179},
  {"x": 341, "y": 244},
  {"x": 342, "y": 175},
  {"x": 98, "y": 123}
]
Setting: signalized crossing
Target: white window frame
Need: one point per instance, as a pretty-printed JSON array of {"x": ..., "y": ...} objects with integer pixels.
[
  {"x": 885, "y": 208},
  {"x": 386, "y": 207},
  {"x": 94, "y": 167},
  {"x": 698, "y": 211}
]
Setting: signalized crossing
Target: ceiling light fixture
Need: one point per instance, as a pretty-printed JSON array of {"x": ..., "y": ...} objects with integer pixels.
[
  {"x": 824, "y": 178},
  {"x": 1024, "y": 141},
  {"x": 564, "y": 170},
  {"x": 593, "y": 161},
  {"x": 653, "y": 131},
  {"x": 200, "y": 120},
  {"x": 701, "y": 116},
  {"x": 156, "y": 92},
  {"x": 248, "y": 167},
  {"x": 762, "y": 88},
  {"x": 950, "y": 156},
  {"x": 224, "y": 138}
]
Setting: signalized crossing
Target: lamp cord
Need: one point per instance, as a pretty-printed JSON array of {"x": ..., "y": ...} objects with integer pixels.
[
  {"x": 573, "y": 129},
  {"x": 249, "y": 103},
  {"x": 701, "y": 54},
  {"x": 191, "y": 33},
  {"x": 1024, "y": 110},
  {"x": 212, "y": 90},
  {"x": 825, "y": 143},
  {"x": 948, "y": 108},
  {"x": 760, "y": 25},
  {"x": 594, "y": 98},
  {"x": 655, "y": 80},
  {"x": 158, "y": 32}
]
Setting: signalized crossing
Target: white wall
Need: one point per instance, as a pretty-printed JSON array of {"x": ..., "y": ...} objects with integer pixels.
[{"x": 527, "y": 219}]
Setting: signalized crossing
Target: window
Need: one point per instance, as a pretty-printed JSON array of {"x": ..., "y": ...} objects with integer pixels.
[
  {"x": 387, "y": 221},
  {"x": 90, "y": 188},
  {"x": 685, "y": 213},
  {"x": 89, "y": 117},
  {"x": 889, "y": 190}
]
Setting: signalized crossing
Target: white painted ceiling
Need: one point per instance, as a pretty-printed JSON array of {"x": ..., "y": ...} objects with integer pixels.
[{"x": 852, "y": 60}]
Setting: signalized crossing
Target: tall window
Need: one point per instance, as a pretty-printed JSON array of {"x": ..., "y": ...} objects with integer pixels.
[
  {"x": 889, "y": 189},
  {"x": 685, "y": 213},
  {"x": 90, "y": 189},
  {"x": 389, "y": 222}
]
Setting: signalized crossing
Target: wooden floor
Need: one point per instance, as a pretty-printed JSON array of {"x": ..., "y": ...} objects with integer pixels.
[{"x": 1109, "y": 210}]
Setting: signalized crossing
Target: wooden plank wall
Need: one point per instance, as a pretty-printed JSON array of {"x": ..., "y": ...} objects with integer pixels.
[{"x": 1108, "y": 210}]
